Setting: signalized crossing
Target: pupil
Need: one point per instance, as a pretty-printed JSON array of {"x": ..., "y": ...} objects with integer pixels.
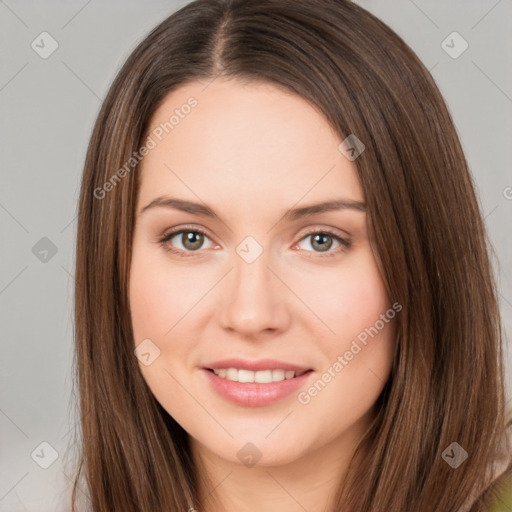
[
  {"x": 188, "y": 240},
  {"x": 322, "y": 238}
]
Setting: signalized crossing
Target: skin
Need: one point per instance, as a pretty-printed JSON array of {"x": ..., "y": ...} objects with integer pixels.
[{"x": 251, "y": 151}]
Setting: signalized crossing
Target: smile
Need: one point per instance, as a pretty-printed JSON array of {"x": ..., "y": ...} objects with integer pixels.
[
  {"x": 264, "y": 383},
  {"x": 260, "y": 376}
]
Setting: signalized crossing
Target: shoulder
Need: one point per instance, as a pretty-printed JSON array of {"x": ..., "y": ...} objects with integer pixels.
[
  {"x": 504, "y": 456},
  {"x": 497, "y": 489}
]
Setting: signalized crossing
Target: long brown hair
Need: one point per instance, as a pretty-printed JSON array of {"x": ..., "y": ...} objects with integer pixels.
[{"x": 447, "y": 380}]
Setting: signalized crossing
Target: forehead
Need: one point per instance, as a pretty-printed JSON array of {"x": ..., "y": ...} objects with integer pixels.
[{"x": 231, "y": 141}]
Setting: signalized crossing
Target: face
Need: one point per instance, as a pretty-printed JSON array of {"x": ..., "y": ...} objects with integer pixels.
[{"x": 231, "y": 273}]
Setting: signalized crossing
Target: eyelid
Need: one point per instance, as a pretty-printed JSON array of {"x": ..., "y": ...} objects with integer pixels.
[
  {"x": 319, "y": 229},
  {"x": 171, "y": 233},
  {"x": 186, "y": 227},
  {"x": 344, "y": 240}
]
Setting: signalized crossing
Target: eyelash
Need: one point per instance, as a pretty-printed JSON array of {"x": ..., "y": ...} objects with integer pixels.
[{"x": 345, "y": 244}]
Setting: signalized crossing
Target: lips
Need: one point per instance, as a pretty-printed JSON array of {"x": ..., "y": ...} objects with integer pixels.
[{"x": 254, "y": 393}]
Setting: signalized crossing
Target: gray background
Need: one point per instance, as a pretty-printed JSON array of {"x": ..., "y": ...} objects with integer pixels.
[{"x": 47, "y": 110}]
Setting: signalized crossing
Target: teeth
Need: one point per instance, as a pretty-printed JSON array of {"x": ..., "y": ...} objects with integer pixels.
[
  {"x": 261, "y": 376},
  {"x": 232, "y": 374},
  {"x": 245, "y": 376},
  {"x": 277, "y": 375}
]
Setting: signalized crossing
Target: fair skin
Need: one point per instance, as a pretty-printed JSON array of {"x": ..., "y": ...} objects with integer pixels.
[{"x": 252, "y": 151}]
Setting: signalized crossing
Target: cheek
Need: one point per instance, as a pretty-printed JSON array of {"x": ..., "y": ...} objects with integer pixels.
[
  {"x": 348, "y": 299},
  {"x": 358, "y": 351},
  {"x": 165, "y": 306},
  {"x": 160, "y": 296},
  {"x": 159, "y": 299}
]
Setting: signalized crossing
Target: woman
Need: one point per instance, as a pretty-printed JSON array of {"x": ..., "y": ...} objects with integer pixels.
[{"x": 224, "y": 362}]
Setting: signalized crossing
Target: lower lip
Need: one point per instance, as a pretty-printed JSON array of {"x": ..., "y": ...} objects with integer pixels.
[{"x": 253, "y": 394}]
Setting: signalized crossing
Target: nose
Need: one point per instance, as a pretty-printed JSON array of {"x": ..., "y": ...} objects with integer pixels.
[{"x": 254, "y": 299}]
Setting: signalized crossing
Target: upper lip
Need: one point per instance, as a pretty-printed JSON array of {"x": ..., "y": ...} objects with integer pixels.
[{"x": 261, "y": 364}]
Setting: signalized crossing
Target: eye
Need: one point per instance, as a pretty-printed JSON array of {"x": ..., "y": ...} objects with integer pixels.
[
  {"x": 322, "y": 242},
  {"x": 191, "y": 240}
]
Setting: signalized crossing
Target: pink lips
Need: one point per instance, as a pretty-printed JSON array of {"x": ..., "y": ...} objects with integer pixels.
[{"x": 252, "y": 394}]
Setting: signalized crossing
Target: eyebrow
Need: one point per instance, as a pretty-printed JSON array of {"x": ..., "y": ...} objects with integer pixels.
[{"x": 292, "y": 214}]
